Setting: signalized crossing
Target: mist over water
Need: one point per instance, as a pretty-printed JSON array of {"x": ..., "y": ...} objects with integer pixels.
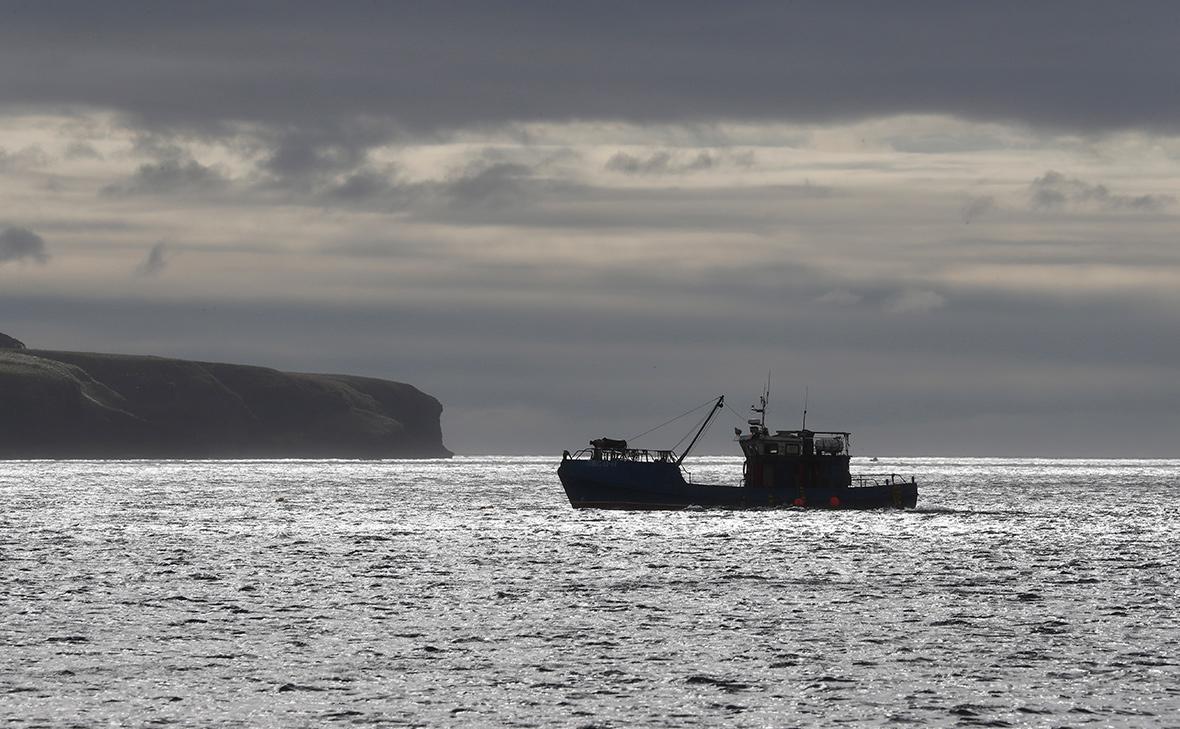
[{"x": 467, "y": 592}]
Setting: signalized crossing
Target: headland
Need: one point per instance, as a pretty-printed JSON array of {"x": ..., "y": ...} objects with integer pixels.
[{"x": 89, "y": 405}]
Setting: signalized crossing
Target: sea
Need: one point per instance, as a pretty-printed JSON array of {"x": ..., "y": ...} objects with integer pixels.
[{"x": 467, "y": 592}]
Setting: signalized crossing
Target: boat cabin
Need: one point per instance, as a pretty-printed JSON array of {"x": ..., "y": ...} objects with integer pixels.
[{"x": 794, "y": 458}]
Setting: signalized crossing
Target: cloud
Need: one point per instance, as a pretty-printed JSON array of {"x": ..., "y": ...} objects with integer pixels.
[
  {"x": 659, "y": 163},
  {"x": 977, "y": 207},
  {"x": 156, "y": 261},
  {"x": 632, "y": 165},
  {"x": 494, "y": 185},
  {"x": 166, "y": 177},
  {"x": 913, "y": 301},
  {"x": 362, "y": 185},
  {"x": 371, "y": 189},
  {"x": 304, "y": 156},
  {"x": 839, "y": 297},
  {"x": 301, "y": 156},
  {"x": 22, "y": 244},
  {"x": 82, "y": 150},
  {"x": 27, "y": 158},
  {"x": 1055, "y": 191},
  {"x": 466, "y": 65}
]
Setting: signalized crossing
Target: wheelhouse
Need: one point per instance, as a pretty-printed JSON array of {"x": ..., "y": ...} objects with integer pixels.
[{"x": 794, "y": 458}]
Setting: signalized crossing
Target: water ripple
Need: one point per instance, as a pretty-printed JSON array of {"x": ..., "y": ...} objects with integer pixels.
[{"x": 467, "y": 592}]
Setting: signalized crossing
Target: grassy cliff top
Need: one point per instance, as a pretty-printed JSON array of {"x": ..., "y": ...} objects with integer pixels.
[{"x": 95, "y": 405}]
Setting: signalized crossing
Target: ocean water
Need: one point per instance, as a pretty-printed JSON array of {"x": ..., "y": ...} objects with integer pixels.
[{"x": 468, "y": 593}]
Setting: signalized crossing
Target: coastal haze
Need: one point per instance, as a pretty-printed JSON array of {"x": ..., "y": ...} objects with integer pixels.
[{"x": 957, "y": 226}]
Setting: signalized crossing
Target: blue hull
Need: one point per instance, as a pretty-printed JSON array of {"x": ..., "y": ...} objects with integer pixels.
[{"x": 646, "y": 486}]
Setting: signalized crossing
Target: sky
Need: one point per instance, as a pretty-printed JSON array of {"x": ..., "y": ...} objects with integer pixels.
[{"x": 954, "y": 226}]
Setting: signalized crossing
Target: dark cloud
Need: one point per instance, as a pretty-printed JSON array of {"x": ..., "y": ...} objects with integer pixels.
[
  {"x": 156, "y": 260},
  {"x": 518, "y": 198},
  {"x": 304, "y": 65},
  {"x": 491, "y": 186},
  {"x": 632, "y": 165},
  {"x": 364, "y": 186},
  {"x": 479, "y": 187},
  {"x": 916, "y": 301},
  {"x": 22, "y": 159},
  {"x": 1053, "y": 191},
  {"x": 22, "y": 244},
  {"x": 659, "y": 163},
  {"x": 976, "y": 207},
  {"x": 82, "y": 150},
  {"x": 168, "y": 176},
  {"x": 299, "y": 156},
  {"x": 839, "y": 297}
]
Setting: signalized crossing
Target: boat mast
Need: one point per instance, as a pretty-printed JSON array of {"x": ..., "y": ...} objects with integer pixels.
[
  {"x": 763, "y": 400},
  {"x": 708, "y": 418}
]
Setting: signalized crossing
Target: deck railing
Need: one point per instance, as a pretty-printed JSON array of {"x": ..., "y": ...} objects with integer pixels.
[
  {"x": 880, "y": 479},
  {"x": 644, "y": 455}
]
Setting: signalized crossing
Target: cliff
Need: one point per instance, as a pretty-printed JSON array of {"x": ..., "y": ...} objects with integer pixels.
[{"x": 84, "y": 405}]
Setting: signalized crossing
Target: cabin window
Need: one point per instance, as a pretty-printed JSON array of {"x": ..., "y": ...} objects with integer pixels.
[
  {"x": 792, "y": 449},
  {"x": 771, "y": 449}
]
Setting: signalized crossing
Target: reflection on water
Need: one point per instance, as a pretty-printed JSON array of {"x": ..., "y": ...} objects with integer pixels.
[{"x": 1031, "y": 593}]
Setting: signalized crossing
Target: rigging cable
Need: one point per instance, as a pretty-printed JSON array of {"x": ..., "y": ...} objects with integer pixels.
[
  {"x": 736, "y": 414},
  {"x": 700, "y": 427},
  {"x": 673, "y": 420}
]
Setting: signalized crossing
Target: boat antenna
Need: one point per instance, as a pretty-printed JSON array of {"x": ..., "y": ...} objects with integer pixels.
[
  {"x": 763, "y": 400},
  {"x": 716, "y": 406},
  {"x": 766, "y": 400},
  {"x": 806, "y": 392}
]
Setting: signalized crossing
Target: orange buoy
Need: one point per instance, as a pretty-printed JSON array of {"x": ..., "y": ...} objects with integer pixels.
[
  {"x": 834, "y": 502},
  {"x": 798, "y": 502}
]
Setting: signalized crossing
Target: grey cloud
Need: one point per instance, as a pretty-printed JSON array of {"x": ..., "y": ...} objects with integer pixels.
[
  {"x": 659, "y": 163},
  {"x": 976, "y": 207},
  {"x": 496, "y": 184},
  {"x": 320, "y": 173},
  {"x": 702, "y": 161},
  {"x": 443, "y": 66},
  {"x": 156, "y": 260},
  {"x": 161, "y": 146},
  {"x": 632, "y": 165},
  {"x": 363, "y": 185},
  {"x": 298, "y": 156},
  {"x": 22, "y": 244},
  {"x": 529, "y": 200},
  {"x": 915, "y": 301},
  {"x": 23, "y": 159},
  {"x": 82, "y": 150},
  {"x": 1054, "y": 191},
  {"x": 302, "y": 157},
  {"x": 839, "y": 297},
  {"x": 384, "y": 247},
  {"x": 168, "y": 176},
  {"x": 479, "y": 187},
  {"x": 370, "y": 189}
]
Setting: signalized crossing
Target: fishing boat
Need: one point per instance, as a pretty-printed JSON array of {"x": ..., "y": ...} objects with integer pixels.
[{"x": 783, "y": 469}]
